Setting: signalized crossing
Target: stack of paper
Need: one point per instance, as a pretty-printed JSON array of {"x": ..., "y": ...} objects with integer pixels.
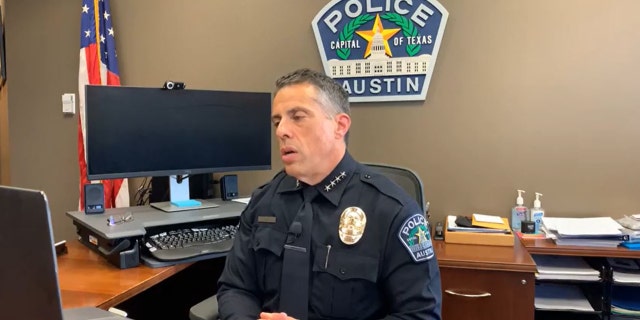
[
  {"x": 595, "y": 232},
  {"x": 625, "y": 270},
  {"x": 489, "y": 221},
  {"x": 564, "y": 268},
  {"x": 553, "y": 296}
]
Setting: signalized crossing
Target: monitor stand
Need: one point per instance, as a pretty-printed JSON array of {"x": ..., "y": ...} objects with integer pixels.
[{"x": 179, "y": 197}]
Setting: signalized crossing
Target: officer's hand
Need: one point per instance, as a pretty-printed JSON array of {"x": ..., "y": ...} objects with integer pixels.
[{"x": 274, "y": 316}]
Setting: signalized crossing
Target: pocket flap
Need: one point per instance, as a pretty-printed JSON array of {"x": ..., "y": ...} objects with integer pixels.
[
  {"x": 270, "y": 239},
  {"x": 345, "y": 265}
]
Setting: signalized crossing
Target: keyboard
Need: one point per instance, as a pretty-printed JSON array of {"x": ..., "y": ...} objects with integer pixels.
[{"x": 188, "y": 242}]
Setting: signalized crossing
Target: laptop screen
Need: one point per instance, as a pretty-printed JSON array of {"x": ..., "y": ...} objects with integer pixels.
[{"x": 28, "y": 271}]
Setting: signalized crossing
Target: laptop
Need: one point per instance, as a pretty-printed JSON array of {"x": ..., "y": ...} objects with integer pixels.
[{"x": 28, "y": 267}]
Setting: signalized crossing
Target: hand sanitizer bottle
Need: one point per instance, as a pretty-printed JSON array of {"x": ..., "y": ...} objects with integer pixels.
[
  {"x": 537, "y": 212},
  {"x": 519, "y": 212}
]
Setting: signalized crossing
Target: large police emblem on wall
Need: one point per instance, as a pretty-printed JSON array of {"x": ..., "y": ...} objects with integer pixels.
[{"x": 381, "y": 50}]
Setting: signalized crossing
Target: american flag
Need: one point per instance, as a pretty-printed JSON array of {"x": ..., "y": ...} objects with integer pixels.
[{"x": 98, "y": 66}]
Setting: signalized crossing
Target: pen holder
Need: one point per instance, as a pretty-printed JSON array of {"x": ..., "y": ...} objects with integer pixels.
[{"x": 528, "y": 226}]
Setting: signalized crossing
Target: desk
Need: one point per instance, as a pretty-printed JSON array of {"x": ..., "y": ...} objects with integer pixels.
[
  {"x": 88, "y": 280},
  {"x": 548, "y": 247},
  {"x": 601, "y": 300},
  {"x": 486, "y": 282}
]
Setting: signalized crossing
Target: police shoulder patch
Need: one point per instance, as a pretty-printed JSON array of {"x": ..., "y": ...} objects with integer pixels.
[{"x": 415, "y": 236}]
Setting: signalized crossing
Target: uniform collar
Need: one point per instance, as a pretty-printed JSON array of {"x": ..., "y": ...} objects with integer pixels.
[
  {"x": 332, "y": 186},
  {"x": 289, "y": 184}
]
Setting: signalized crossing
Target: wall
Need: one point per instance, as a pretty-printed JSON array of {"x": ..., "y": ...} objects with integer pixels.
[
  {"x": 4, "y": 127},
  {"x": 42, "y": 42},
  {"x": 4, "y": 137},
  {"x": 537, "y": 95}
]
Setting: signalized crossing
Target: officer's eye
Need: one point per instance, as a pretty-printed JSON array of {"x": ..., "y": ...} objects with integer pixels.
[{"x": 298, "y": 116}]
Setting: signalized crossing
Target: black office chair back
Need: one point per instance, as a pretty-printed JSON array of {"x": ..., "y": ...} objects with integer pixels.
[{"x": 407, "y": 179}]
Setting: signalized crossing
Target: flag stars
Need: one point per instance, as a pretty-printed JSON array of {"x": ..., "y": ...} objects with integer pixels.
[
  {"x": 106, "y": 15},
  {"x": 102, "y": 38},
  {"x": 87, "y": 33},
  {"x": 110, "y": 31},
  {"x": 85, "y": 8}
]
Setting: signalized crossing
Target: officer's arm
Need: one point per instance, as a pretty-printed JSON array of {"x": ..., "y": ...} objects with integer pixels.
[
  {"x": 412, "y": 287},
  {"x": 238, "y": 291}
]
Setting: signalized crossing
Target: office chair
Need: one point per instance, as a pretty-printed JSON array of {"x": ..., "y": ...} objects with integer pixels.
[{"x": 407, "y": 179}]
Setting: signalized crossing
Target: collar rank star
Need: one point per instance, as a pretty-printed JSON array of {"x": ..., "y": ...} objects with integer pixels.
[
  {"x": 415, "y": 236},
  {"x": 335, "y": 181},
  {"x": 352, "y": 224}
]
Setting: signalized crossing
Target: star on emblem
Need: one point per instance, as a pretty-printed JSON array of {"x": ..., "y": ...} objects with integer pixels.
[
  {"x": 378, "y": 28},
  {"x": 422, "y": 236}
]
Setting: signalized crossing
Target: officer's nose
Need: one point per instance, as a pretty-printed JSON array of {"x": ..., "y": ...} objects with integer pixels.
[{"x": 282, "y": 130}]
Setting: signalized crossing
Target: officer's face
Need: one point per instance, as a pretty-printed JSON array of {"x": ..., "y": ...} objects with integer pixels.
[{"x": 311, "y": 141}]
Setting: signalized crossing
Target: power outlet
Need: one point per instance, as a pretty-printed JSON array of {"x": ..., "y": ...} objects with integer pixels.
[{"x": 69, "y": 103}]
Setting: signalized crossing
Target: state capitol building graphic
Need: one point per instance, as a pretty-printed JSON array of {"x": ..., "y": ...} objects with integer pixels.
[{"x": 378, "y": 63}]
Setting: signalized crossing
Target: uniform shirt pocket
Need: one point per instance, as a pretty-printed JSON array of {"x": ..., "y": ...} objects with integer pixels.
[
  {"x": 268, "y": 245},
  {"x": 346, "y": 287},
  {"x": 270, "y": 239}
]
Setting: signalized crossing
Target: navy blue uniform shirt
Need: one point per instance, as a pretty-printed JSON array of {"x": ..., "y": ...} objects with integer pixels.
[{"x": 391, "y": 272}]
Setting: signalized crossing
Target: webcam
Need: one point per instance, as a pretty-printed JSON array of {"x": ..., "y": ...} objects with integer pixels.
[{"x": 173, "y": 85}]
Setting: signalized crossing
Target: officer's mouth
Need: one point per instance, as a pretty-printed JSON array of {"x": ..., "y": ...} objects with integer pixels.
[{"x": 287, "y": 154}]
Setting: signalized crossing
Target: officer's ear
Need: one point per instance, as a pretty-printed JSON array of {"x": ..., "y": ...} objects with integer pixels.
[{"x": 343, "y": 123}]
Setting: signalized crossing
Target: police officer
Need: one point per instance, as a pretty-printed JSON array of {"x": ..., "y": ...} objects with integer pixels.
[{"x": 327, "y": 238}]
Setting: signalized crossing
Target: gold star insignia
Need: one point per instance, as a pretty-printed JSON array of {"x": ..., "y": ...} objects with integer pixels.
[
  {"x": 422, "y": 236},
  {"x": 378, "y": 28}
]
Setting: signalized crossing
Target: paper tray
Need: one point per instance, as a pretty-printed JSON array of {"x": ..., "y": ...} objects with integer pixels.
[{"x": 491, "y": 239}]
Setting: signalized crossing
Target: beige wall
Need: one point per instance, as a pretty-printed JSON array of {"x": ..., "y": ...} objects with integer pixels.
[
  {"x": 4, "y": 138},
  {"x": 4, "y": 127},
  {"x": 539, "y": 95}
]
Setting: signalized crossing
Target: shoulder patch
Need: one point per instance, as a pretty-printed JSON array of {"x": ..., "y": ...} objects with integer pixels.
[{"x": 415, "y": 236}]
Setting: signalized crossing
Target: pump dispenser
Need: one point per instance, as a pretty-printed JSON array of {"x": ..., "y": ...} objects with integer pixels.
[
  {"x": 519, "y": 212},
  {"x": 537, "y": 212}
]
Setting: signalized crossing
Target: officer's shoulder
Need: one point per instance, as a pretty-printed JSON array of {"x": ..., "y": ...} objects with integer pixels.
[
  {"x": 259, "y": 191},
  {"x": 382, "y": 183}
]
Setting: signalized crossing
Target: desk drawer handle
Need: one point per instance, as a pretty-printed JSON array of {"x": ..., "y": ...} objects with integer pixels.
[{"x": 467, "y": 295}]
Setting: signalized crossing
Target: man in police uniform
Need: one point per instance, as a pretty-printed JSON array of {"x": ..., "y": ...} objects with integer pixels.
[{"x": 365, "y": 252}]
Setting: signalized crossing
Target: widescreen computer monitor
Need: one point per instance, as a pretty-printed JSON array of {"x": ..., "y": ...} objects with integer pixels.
[{"x": 141, "y": 132}]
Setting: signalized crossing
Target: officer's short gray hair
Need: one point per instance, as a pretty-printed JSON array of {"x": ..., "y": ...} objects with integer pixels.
[{"x": 331, "y": 95}]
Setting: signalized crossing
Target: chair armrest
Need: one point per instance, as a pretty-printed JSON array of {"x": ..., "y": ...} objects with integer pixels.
[{"x": 207, "y": 309}]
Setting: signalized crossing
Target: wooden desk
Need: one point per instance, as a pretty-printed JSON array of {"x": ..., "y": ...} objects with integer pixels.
[
  {"x": 486, "y": 282},
  {"x": 547, "y": 246},
  {"x": 88, "y": 280},
  {"x": 602, "y": 300}
]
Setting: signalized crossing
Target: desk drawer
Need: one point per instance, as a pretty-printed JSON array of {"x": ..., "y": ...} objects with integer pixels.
[{"x": 485, "y": 294}]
